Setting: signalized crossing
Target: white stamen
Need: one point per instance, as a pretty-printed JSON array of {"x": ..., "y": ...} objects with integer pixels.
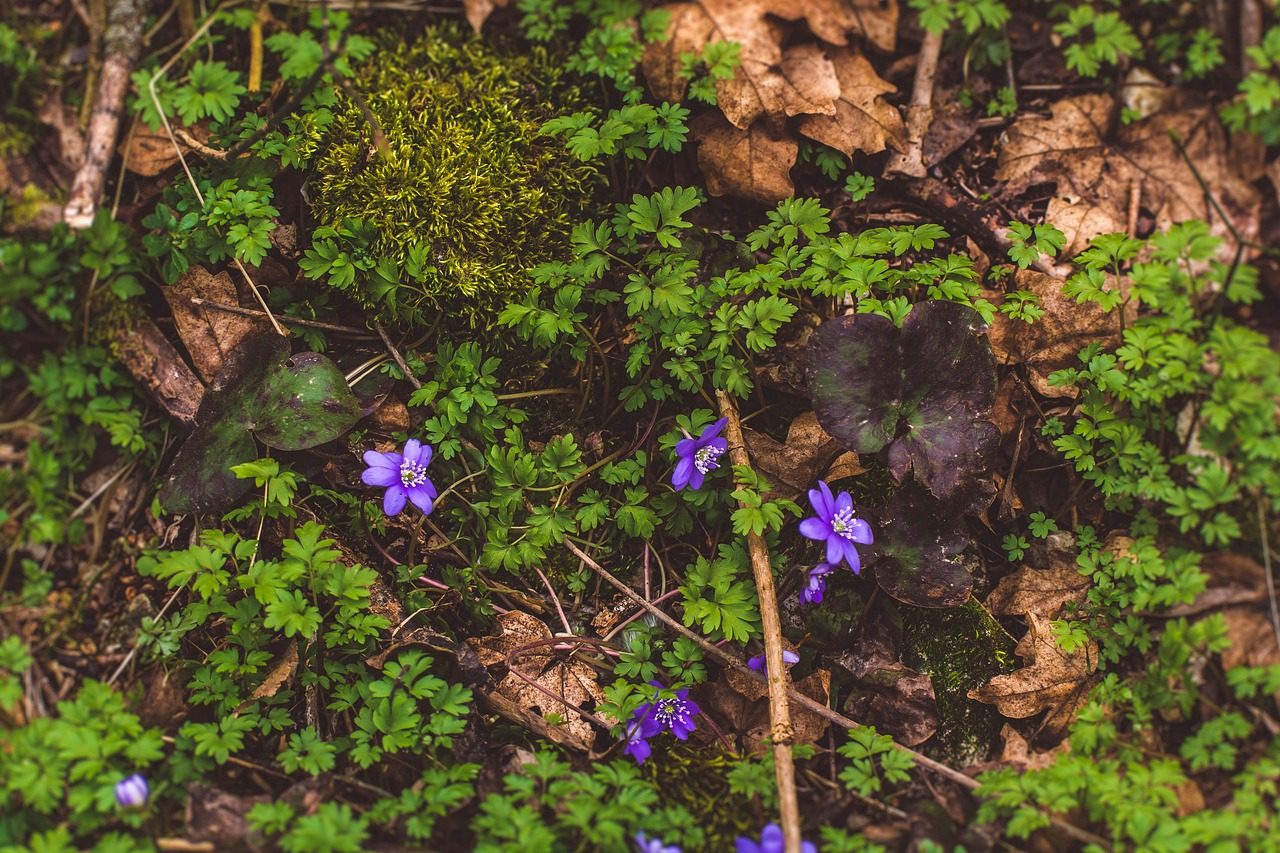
[
  {"x": 412, "y": 473},
  {"x": 705, "y": 459}
]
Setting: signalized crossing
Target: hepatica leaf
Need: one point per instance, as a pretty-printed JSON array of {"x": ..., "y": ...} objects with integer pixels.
[
  {"x": 289, "y": 402},
  {"x": 921, "y": 548},
  {"x": 922, "y": 394}
]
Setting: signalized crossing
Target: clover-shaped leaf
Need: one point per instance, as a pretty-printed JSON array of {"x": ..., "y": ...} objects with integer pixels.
[
  {"x": 922, "y": 394},
  {"x": 289, "y": 402},
  {"x": 921, "y": 549}
]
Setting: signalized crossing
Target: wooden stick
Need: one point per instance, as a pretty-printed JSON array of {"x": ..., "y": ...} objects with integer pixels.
[
  {"x": 919, "y": 111},
  {"x": 121, "y": 44},
  {"x": 781, "y": 732}
]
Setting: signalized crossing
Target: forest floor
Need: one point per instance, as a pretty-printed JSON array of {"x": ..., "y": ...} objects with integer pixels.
[{"x": 611, "y": 425}]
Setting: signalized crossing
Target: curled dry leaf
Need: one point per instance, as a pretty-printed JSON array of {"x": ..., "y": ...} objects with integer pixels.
[
  {"x": 753, "y": 164},
  {"x": 1021, "y": 756},
  {"x": 478, "y": 11},
  {"x": 1233, "y": 579},
  {"x": 573, "y": 682},
  {"x": 808, "y": 454},
  {"x": 863, "y": 120},
  {"x": 1054, "y": 341},
  {"x": 1051, "y": 678},
  {"x": 209, "y": 335},
  {"x": 1043, "y": 591},
  {"x": 887, "y": 693},
  {"x": 743, "y": 703},
  {"x": 1095, "y": 164}
]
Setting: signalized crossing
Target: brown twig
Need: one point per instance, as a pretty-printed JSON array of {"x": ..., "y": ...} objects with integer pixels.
[
  {"x": 293, "y": 321},
  {"x": 122, "y": 43},
  {"x": 919, "y": 111},
  {"x": 782, "y": 733},
  {"x": 395, "y": 353}
]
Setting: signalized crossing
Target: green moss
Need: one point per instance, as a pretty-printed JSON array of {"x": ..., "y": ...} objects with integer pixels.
[
  {"x": 468, "y": 186},
  {"x": 958, "y": 649}
]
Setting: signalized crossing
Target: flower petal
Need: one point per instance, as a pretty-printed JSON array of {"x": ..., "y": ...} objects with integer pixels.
[
  {"x": 830, "y": 501},
  {"x": 820, "y": 503},
  {"x": 421, "y": 499},
  {"x": 815, "y": 528},
  {"x": 713, "y": 430},
  {"x": 721, "y": 444},
  {"x": 686, "y": 446},
  {"x": 746, "y": 845},
  {"x": 680, "y": 476},
  {"x": 412, "y": 449},
  {"x": 835, "y": 548},
  {"x": 844, "y": 502},
  {"x": 393, "y": 501},
  {"x": 860, "y": 532},
  {"x": 639, "y": 750},
  {"x": 855, "y": 561},
  {"x": 756, "y": 663},
  {"x": 374, "y": 459},
  {"x": 771, "y": 840},
  {"x": 789, "y": 656},
  {"x": 425, "y": 459},
  {"x": 695, "y": 479},
  {"x": 378, "y": 476}
]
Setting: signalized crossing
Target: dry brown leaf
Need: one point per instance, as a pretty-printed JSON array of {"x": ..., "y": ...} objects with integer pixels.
[
  {"x": 1233, "y": 579},
  {"x": 1054, "y": 341},
  {"x": 149, "y": 152},
  {"x": 209, "y": 334},
  {"x": 1049, "y": 679},
  {"x": 1095, "y": 165},
  {"x": 1041, "y": 591},
  {"x": 573, "y": 682},
  {"x": 743, "y": 703},
  {"x": 886, "y": 693},
  {"x": 1020, "y": 756},
  {"x": 770, "y": 81},
  {"x": 753, "y": 164},
  {"x": 807, "y": 455},
  {"x": 863, "y": 121},
  {"x": 155, "y": 363},
  {"x": 276, "y": 678},
  {"x": 478, "y": 11}
]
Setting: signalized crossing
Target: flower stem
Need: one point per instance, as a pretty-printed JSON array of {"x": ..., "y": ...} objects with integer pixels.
[{"x": 782, "y": 733}]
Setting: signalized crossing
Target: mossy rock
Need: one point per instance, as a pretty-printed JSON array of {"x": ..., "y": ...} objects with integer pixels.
[
  {"x": 959, "y": 649},
  {"x": 469, "y": 195}
]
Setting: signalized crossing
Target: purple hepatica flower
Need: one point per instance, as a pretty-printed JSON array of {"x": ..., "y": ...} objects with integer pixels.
[
  {"x": 698, "y": 456},
  {"x": 654, "y": 845},
  {"x": 771, "y": 841},
  {"x": 652, "y": 718},
  {"x": 132, "y": 792},
  {"x": 817, "y": 586},
  {"x": 403, "y": 475},
  {"x": 836, "y": 525},
  {"x": 788, "y": 657}
]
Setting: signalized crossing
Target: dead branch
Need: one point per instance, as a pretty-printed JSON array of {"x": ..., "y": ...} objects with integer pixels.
[{"x": 122, "y": 43}]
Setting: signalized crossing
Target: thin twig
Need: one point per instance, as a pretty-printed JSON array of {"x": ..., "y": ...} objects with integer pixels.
[
  {"x": 564, "y": 620},
  {"x": 919, "y": 111},
  {"x": 395, "y": 353},
  {"x": 782, "y": 733},
  {"x": 293, "y": 321},
  {"x": 1266, "y": 568},
  {"x": 725, "y": 659}
]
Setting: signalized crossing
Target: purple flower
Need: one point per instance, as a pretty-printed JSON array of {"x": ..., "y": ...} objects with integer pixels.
[
  {"x": 652, "y": 718},
  {"x": 771, "y": 841},
  {"x": 132, "y": 792},
  {"x": 817, "y": 586},
  {"x": 654, "y": 845},
  {"x": 698, "y": 456},
  {"x": 403, "y": 475},
  {"x": 836, "y": 525},
  {"x": 788, "y": 657}
]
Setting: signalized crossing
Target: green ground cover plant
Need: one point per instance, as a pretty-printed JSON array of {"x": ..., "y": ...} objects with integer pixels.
[{"x": 498, "y": 550}]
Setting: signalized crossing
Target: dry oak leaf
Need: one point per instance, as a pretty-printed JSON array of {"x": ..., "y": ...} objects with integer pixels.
[
  {"x": 1050, "y": 677},
  {"x": 863, "y": 121},
  {"x": 808, "y": 454},
  {"x": 743, "y": 704},
  {"x": 1031, "y": 590},
  {"x": 1021, "y": 756},
  {"x": 1054, "y": 341},
  {"x": 209, "y": 334},
  {"x": 573, "y": 682},
  {"x": 1096, "y": 168},
  {"x": 753, "y": 164},
  {"x": 149, "y": 152},
  {"x": 770, "y": 80}
]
